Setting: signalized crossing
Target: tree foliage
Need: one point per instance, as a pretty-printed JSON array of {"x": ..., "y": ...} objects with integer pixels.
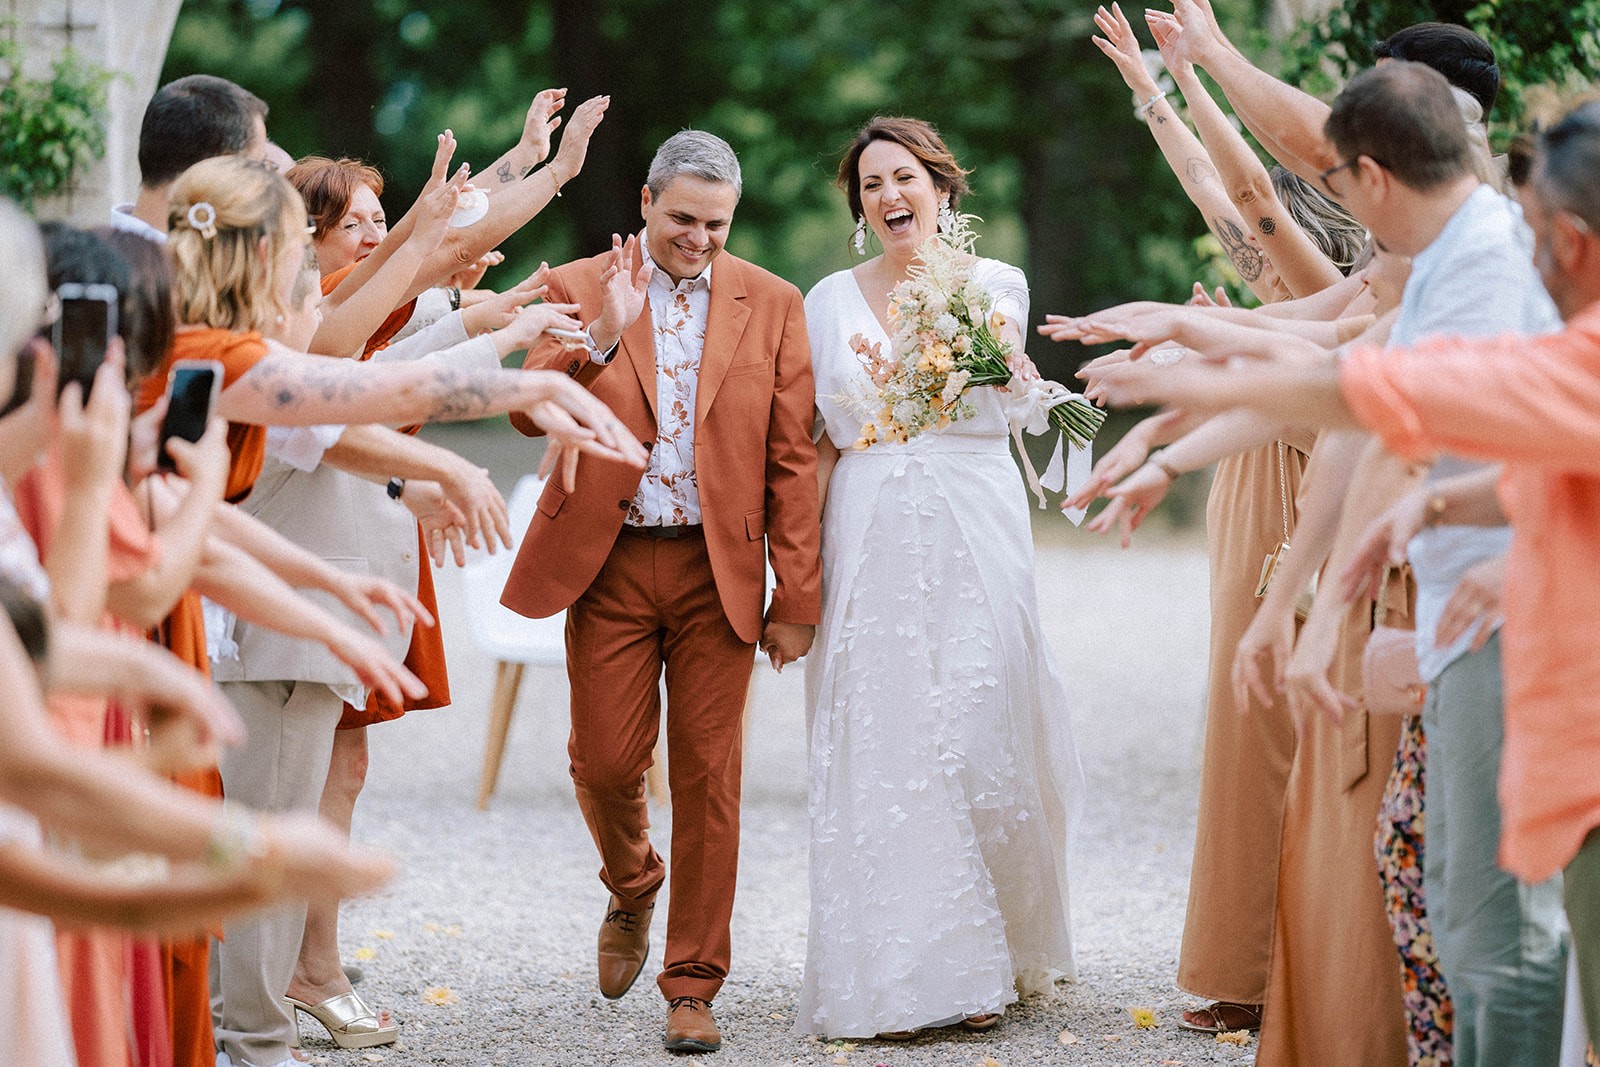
[{"x": 1070, "y": 186}]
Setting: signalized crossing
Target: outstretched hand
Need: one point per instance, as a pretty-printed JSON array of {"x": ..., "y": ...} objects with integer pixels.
[
  {"x": 575, "y": 142},
  {"x": 1132, "y": 500},
  {"x": 1121, "y": 46},
  {"x": 577, "y": 423},
  {"x": 542, "y": 121}
]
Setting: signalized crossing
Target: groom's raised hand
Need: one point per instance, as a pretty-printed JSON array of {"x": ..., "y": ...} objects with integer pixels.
[
  {"x": 785, "y": 642},
  {"x": 624, "y": 284}
]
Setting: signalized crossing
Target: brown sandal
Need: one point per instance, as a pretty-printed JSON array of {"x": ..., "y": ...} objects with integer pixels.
[
  {"x": 979, "y": 1023},
  {"x": 1215, "y": 1018}
]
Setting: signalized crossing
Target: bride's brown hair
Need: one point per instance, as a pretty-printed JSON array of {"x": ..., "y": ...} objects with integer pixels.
[{"x": 919, "y": 138}]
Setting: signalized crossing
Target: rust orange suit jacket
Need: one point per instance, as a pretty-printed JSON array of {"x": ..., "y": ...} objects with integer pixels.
[{"x": 755, "y": 461}]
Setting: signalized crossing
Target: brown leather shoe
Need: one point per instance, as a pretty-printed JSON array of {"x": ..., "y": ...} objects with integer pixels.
[
  {"x": 690, "y": 1027},
  {"x": 624, "y": 944}
]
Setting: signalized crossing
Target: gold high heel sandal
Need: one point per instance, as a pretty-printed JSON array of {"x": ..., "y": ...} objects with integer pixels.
[{"x": 348, "y": 1020}]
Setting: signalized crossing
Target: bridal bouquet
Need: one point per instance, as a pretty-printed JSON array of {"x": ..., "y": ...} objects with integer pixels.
[{"x": 946, "y": 340}]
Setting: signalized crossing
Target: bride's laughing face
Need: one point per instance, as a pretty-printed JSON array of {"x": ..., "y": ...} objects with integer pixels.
[{"x": 898, "y": 197}]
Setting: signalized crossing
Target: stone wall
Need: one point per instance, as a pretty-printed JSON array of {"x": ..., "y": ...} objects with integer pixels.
[{"x": 127, "y": 37}]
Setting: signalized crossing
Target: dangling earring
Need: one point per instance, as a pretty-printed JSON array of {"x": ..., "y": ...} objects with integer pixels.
[
  {"x": 859, "y": 241},
  {"x": 947, "y": 217}
]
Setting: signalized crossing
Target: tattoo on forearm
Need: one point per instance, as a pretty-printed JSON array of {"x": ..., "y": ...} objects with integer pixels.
[
  {"x": 1161, "y": 120},
  {"x": 1246, "y": 260},
  {"x": 348, "y": 391},
  {"x": 503, "y": 172},
  {"x": 1266, "y": 225},
  {"x": 1200, "y": 171}
]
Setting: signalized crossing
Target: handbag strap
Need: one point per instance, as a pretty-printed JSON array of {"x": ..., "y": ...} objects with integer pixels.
[{"x": 1283, "y": 487}]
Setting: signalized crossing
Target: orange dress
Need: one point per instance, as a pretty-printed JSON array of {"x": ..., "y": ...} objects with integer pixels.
[
  {"x": 111, "y": 981},
  {"x": 425, "y": 656},
  {"x": 187, "y": 961}
]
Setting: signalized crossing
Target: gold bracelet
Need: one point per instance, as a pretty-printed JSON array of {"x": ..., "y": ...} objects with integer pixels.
[{"x": 552, "y": 172}]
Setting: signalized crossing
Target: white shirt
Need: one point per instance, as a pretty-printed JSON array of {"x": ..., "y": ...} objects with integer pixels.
[
  {"x": 123, "y": 218},
  {"x": 1476, "y": 279},
  {"x": 669, "y": 492}
]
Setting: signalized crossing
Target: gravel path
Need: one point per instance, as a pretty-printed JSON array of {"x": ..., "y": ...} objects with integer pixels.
[{"x": 485, "y": 944}]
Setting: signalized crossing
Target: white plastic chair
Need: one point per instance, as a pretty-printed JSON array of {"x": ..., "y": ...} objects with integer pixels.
[{"x": 515, "y": 642}]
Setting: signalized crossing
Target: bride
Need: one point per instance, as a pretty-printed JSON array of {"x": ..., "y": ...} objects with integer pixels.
[{"x": 943, "y": 776}]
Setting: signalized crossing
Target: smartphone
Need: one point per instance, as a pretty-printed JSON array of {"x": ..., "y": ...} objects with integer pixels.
[
  {"x": 87, "y": 323},
  {"x": 192, "y": 392}
]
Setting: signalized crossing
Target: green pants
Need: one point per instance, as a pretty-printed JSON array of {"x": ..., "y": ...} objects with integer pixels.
[{"x": 1583, "y": 912}]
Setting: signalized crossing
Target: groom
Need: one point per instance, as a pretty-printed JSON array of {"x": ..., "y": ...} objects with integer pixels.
[{"x": 703, "y": 356}]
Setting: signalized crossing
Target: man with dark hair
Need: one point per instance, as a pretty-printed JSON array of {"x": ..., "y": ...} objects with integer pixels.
[
  {"x": 1464, "y": 58},
  {"x": 188, "y": 120},
  {"x": 1403, "y": 119}
]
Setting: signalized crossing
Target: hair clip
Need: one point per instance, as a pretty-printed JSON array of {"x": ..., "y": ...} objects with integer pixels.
[{"x": 203, "y": 217}]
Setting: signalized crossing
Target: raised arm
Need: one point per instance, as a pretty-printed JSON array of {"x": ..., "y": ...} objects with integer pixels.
[
  {"x": 1183, "y": 151},
  {"x": 290, "y": 388},
  {"x": 1287, "y": 121},
  {"x": 531, "y": 148},
  {"x": 511, "y": 207},
  {"x": 1301, "y": 265}
]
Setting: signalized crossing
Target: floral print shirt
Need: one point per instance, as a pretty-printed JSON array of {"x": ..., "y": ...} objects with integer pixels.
[{"x": 669, "y": 493}]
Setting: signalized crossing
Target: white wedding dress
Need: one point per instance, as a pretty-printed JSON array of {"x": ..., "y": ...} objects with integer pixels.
[{"x": 943, "y": 775}]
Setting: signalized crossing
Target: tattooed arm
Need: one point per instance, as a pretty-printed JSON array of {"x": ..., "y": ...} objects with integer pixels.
[
  {"x": 1182, "y": 149},
  {"x": 533, "y": 147},
  {"x": 290, "y": 388},
  {"x": 1301, "y": 265}
]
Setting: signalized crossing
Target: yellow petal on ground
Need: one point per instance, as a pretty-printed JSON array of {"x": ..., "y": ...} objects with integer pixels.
[
  {"x": 440, "y": 996},
  {"x": 841, "y": 1060},
  {"x": 364, "y": 954},
  {"x": 430, "y": 928},
  {"x": 383, "y": 935},
  {"x": 1067, "y": 1037},
  {"x": 1143, "y": 1018},
  {"x": 1234, "y": 1037},
  {"x": 990, "y": 1061}
]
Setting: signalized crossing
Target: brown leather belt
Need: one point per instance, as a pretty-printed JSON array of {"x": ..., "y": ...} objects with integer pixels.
[{"x": 664, "y": 533}]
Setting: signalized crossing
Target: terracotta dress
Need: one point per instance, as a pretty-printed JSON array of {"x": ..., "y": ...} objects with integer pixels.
[
  {"x": 111, "y": 981},
  {"x": 1227, "y": 934},
  {"x": 187, "y": 961},
  {"x": 1334, "y": 995}
]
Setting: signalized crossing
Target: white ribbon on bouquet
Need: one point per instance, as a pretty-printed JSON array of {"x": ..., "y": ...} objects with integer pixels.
[{"x": 1027, "y": 404}]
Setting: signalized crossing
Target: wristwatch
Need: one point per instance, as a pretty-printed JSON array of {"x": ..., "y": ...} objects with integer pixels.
[{"x": 396, "y": 487}]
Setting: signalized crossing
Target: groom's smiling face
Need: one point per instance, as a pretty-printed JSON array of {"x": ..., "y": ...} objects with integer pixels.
[{"x": 687, "y": 224}]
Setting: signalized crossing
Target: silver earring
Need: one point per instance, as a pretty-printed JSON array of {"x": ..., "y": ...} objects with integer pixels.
[
  {"x": 859, "y": 241},
  {"x": 947, "y": 217}
]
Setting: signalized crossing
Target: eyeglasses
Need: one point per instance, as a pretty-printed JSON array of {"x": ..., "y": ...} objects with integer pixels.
[{"x": 1335, "y": 169}]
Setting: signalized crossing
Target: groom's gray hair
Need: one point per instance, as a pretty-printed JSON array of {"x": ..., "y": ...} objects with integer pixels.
[{"x": 704, "y": 155}]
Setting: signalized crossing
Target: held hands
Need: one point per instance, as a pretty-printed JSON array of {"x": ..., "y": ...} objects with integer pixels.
[
  {"x": 624, "y": 283},
  {"x": 786, "y": 642},
  {"x": 575, "y": 142}
]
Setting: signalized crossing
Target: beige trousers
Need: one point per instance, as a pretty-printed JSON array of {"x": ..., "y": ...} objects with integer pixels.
[{"x": 282, "y": 766}]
